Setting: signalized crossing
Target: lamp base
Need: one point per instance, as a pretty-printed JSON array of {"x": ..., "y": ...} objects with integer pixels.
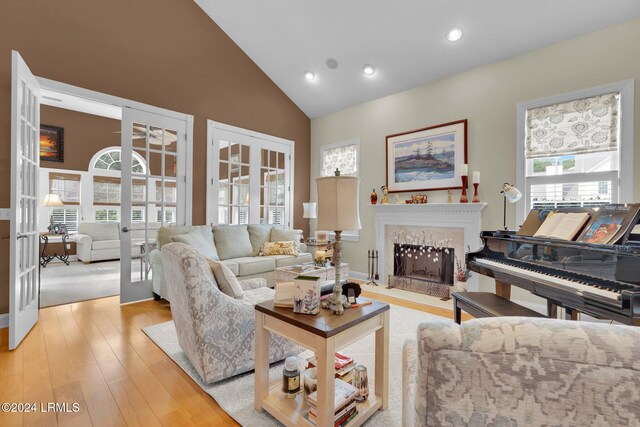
[{"x": 336, "y": 302}]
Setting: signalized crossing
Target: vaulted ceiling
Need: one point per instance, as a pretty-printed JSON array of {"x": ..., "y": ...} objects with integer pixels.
[{"x": 404, "y": 40}]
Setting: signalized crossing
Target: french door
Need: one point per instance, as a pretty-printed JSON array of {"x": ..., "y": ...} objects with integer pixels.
[
  {"x": 25, "y": 163},
  {"x": 153, "y": 194},
  {"x": 249, "y": 176}
]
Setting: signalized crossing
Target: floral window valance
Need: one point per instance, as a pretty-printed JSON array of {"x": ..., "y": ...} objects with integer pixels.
[
  {"x": 585, "y": 125},
  {"x": 343, "y": 158}
]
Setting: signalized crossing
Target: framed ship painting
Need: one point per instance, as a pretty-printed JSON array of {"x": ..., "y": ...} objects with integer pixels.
[
  {"x": 427, "y": 159},
  {"x": 51, "y": 143}
]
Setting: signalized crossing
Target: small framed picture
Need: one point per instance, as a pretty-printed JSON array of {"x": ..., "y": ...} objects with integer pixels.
[
  {"x": 51, "y": 143},
  {"x": 322, "y": 236}
]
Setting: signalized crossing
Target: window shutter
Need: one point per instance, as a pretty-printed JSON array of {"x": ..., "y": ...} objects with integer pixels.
[
  {"x": 106, "y": 191},
  {"x": 581, "y": 126}
]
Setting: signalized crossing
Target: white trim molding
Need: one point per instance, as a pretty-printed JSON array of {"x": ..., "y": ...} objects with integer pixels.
[
  {"x": 4, "y": 320},
  {"x": 625, "y": 146},
  {"x": 466, "y": 216},
  {"x": 5, "y": 214}
]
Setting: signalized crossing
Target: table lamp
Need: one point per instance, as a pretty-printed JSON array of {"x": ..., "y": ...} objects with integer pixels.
[
  {"x": 52, "y": 201},
  {"x": 310, "y": 210},
  {"x": 511, "y": 194},
  {"x": 338, "y": 209}
]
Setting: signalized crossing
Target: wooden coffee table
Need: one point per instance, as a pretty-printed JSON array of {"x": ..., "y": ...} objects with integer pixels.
[{"x": 324, "y": 333}]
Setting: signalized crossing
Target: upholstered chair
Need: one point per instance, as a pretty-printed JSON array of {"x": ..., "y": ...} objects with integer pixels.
[
  {"x": 517, "y": 371},
  {"x": 216, "y": 331}
]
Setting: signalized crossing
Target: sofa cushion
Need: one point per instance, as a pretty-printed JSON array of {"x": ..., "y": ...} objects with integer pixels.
[
  {"x": 164, "y": 233},
  {"x": 232, "y": 241},
  {"x": 287, "y": 260},
  {"x": 232, "y": 266},
  {"x": 248, "y": 266},
  {"x": 198, "y": 242},
  {"x": 227, "y": 281},
  {"x": 105, "y": 244},
  {"x": 279, "y": 248},
  {"x": 279, "y": 235},
  {"x": 258, "y": 234},
  {"x": 100, "y": 231}
]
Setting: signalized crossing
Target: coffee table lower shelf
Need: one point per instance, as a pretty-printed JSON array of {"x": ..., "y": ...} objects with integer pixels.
[{"x": 291, "y": 411}]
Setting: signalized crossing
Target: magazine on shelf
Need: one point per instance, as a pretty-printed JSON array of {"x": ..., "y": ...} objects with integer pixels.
[
  {"x": 340, "y": 412},
  {"x": 340, "y": 360},
  {"x": 343, "y": 394},
  {"x": 611, "y": 223}
]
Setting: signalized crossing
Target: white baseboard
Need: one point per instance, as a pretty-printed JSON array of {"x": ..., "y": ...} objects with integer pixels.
[
  {"x": 4, "y": 320},
  {"x": 358, "y": 275}
]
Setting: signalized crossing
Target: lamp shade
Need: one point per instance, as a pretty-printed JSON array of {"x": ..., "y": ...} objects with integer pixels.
[
  {"x": 511, "y": 193},
  {"x": 338, "y": 203},
  {"x": 52, "y": 201},
  {"x": 310, "y": 210}
]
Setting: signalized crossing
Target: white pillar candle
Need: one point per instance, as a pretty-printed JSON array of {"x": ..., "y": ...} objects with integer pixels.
[
  {"x": 464, "y": 170},
  {"x": 476, "y": 177}
]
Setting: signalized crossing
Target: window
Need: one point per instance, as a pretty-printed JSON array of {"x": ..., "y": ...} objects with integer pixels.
[
  {"x": 65, "y": 185},
  {"x": 67, "y": 217},
  {"x": 168, "y": 216},
  {"x": 137, "y": 215},
  {"x": 170, "y": 194},
  {"x": 106, "y": 190},
  {"x": 344, "y": 156},
  {"x": 107, "y": 215},
  {"x": 110, "y": 160},
  {"x": 571, "y": 149}
]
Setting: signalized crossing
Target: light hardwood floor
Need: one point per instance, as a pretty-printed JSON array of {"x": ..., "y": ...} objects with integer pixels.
[{"x": 95, "y": 353}]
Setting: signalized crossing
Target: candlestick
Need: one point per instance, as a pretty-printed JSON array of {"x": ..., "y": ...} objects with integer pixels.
[
  {"x": 463, "y": 196},
  {"x": 464, "y": 170},
  {"x": 476, "y": 198},
  {"x": 476, "y": 177}
]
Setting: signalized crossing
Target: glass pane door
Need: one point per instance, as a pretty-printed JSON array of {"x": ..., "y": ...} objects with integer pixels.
[{"x": 153, "y": 184}]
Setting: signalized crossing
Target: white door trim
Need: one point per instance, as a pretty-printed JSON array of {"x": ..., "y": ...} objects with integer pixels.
[{"x": 212, "y": 166}]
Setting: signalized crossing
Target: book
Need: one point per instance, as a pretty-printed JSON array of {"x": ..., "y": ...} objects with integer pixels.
[
  {"x": 342, "y": 421},
  {"x": 531, "y": 224},
  {"x": 340, "y": 361},
  {"x": 306, "y": 295},
  {"x": 284, "y": 295},
  {"x": 611, "y": 223},
  {"x": 340, "y": 412},
  {"x": 343, "y": 394},
  {"x": 563, "y": 225}
]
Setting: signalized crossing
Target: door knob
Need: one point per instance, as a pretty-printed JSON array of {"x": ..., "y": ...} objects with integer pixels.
[{"x": 125, "y": 229}]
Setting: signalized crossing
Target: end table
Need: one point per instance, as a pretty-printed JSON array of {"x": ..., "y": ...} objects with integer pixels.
[{"x": 47, "y": 258}]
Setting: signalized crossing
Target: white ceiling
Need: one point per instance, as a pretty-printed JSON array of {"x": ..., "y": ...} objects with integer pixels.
[{"x": 404, "y": 40}]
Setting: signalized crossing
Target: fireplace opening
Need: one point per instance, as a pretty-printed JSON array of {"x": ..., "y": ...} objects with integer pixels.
[{"x": 423, "y": 268}]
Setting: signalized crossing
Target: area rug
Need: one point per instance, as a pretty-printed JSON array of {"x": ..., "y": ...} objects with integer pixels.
[{"x": 235, "y": 395}]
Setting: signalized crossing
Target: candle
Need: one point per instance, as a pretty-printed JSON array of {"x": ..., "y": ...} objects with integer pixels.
[
  {"x": 476, "y": 177},
  {"x": 320, "y": 255},
  {"x": 464, "y": 171}
]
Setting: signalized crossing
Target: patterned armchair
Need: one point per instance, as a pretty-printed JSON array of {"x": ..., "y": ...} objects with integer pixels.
[
  {"x": 519, "y": 371},
  {"x": 216, "y": 332}
]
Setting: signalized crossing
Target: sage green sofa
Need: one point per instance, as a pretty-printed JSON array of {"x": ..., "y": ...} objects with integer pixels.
[{"x": 237, "y": 246}]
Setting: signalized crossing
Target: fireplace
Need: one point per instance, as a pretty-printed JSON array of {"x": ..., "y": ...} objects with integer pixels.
[{"x": 423, "y": 268}]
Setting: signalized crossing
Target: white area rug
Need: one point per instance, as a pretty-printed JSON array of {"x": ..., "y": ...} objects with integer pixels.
[
  {"x": 236, "y": 395},
  {"x": 64, "y": 284}
]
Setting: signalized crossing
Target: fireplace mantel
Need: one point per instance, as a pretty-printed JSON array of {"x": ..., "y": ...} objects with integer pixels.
[{"x": 465, "y": 216}]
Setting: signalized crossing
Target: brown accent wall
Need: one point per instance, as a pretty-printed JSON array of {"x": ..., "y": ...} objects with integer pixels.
[
  {"x": 166, "y": 53},
  {"x": 84, "y": 136}
]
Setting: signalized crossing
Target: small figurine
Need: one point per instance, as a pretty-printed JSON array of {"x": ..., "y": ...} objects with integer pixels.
[
  {"x": 449, "y": 196},
  {"x": 385, "y": 195},
  {"x": 374, "y": 197},
  {"x": 398, "y": 201}
]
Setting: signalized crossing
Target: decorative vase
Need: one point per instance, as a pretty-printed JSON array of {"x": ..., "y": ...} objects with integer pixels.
[
  {"x": 374, "y": 197},
  {"x": 476, "y": 198},
  {"x": 463, "y": 196}
]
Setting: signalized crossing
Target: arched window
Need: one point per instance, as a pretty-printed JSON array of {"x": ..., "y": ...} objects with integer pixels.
[{"x": 109, "y": 159}]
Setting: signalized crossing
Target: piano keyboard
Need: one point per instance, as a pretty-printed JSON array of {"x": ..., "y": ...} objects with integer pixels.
[{"x": 535, "y": 276}]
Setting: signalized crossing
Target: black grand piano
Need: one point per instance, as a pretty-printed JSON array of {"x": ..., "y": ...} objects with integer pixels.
[{"x": 602, "y": 281}]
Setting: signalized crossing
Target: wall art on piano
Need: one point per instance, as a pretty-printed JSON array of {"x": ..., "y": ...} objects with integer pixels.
[{"x": 427, "y": 159}]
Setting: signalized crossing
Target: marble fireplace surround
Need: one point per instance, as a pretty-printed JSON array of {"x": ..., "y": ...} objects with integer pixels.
[{"x": 462, "y": 222}]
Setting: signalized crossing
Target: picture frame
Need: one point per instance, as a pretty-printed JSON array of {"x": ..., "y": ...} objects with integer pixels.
[
  {"x": 51, "y": 143},
  {"x": 427, "y": 159}
]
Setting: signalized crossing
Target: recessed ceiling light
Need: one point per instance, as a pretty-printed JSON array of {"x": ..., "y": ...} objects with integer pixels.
[
  {"x": 454, "y": 34},
  {"x": 369, "y": 70},
  {"x": 309, "y": 75},
  {"x": 332, "y": 63}
]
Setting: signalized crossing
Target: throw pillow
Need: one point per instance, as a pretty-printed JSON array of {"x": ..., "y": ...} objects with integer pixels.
[
  {"x": 227, "y": 282},
  {"x": 232, "y": 241},
  {"x": 258, "y": 234},
  {"x": 198, "y": 242},
  {"x": 279, "y": 235},
  {"x": 279, "y": 248}
]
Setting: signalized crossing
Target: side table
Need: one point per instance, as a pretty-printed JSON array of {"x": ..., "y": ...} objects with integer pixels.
[
  {"x": 47, "y": 258},
  {"x": 324, "y": 333}
]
